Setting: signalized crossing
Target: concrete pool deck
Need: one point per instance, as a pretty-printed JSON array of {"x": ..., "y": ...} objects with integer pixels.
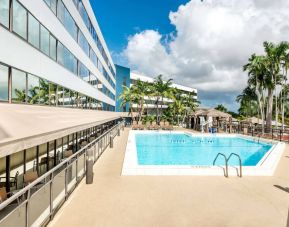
[{"x": 115, "y": 200}]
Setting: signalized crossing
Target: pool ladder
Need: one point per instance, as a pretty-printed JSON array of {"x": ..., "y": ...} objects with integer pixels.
[{"x": 226, "y": 174}]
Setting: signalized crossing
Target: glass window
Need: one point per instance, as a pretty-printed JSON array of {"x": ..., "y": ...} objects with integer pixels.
[
  {"x": 18, "y": 86},
  {"x": 84, "y": 15},
  {"x": 3, "y": 83},
  {"x": 76, "y": 3},
  {"x": 19, "y": 19},
  {"x": 33, "y": 89},
  {"x": 60, "y": 95},
  {"x": 43, "y": 92},
  {"x": 52, "y": 5},
  {"x": 67, "y": 20},
  {"x": 67, "y": 97},
  {"x": 83, "y": 43},
  {"x": 44, "y": 41},
  {"x": 4, "y": 12},
  {"x": 65, "y": 58},
  {"x": 53, "y": 47},
  {"x": 52, "y": 94},
  {"x": 83, "y": 72},
  {"x": 33, "y": 31}
]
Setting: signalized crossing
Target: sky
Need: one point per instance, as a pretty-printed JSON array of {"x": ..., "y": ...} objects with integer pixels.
[{"x": 201, "y": 44}]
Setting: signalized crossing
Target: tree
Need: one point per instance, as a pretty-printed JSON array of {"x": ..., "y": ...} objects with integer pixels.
[
  {"x": 273, "y": 56},
  {"x": 161, "y": 89},
  {"x": 141, "y": 90},
  {"x": 128, "y": 96},
  {"x": 221, "y": 108}
]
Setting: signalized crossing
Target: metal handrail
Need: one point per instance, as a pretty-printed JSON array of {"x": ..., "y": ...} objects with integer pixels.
[
  {"x": 60, "y": 165},
  {"x": 226, "y": 163},
  {"x": 240, "y": 162}
]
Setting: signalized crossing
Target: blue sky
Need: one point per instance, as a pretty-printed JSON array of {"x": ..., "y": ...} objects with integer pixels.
[
  {"x": 119, "y": 19},
  {"x": 201, "y": 44}
]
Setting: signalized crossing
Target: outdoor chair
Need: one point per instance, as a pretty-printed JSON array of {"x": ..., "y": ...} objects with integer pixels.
[
  {"x": 141, "y": 126},
  {"x": 13, "y": 180},
  {"x": 168, "y": 126},
  {"x": 134, "y": 126},
  {"x": 83, "y": 144},
  {"x": 148, "y": 125},
  {"x": 67, "y": 154},
  {"x": 29, "y": 177},
  {"x": 162, "y": 125},
  {"x": 154, "y": 126}
]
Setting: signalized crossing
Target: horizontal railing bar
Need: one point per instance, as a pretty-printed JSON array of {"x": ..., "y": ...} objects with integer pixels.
[{"x": 47, "y": 174}]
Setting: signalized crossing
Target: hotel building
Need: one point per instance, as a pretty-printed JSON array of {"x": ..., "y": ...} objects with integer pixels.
[
  {"x": 57, "y": 102},
  {"x": 127, "y": 78}
]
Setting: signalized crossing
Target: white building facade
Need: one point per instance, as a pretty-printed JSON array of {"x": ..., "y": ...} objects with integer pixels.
[
  {"x": 53, "y": 53},
  {"x": 150, "y": 106}
]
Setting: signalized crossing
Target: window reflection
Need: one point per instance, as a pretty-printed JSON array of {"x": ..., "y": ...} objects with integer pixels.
[
  {"x": 43, "y": 92},
  {"x": 4, "y": 12},
  {"x": 19, "y": 19},
  {"x": 3, "y": 83},
  {"x": 33, "y": 89},
  {"x": 52, "y": 94},
  {"x": 33, "y": 31},
  {"x": 60, "y": 95},
  {"x": 53, "y": 47},
  {"x": 18, "y": 86},
  {"x": 44, "y": 40}
]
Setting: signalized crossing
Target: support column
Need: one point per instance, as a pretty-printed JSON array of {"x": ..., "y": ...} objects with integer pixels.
[{"x": 7, "y": 173}]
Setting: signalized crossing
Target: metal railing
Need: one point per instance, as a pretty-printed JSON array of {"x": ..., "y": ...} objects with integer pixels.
[
  {"x": 240, "y": 163},
  {"x": 226, "y": 173},
  {"x": 37, "y": 203},
  {"x": 226, "y": 163},
  {"x": 275, "y": 133}
]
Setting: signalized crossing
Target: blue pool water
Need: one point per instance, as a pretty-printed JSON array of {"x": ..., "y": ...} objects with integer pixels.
[{"x": 183, "y": 149}]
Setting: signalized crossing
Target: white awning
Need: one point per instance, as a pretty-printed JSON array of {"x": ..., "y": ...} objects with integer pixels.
[{"x": 25, "y": 126}]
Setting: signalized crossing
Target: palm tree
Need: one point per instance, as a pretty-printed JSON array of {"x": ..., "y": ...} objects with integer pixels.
[
  {"x": 248, "y": 102},
  {"x": 257, "y": 72},
  {"x": 221, "y": 108},
  {"x": 273, "y": 56},
  {"x": 141, "y": 89},
  {"x": 129, "y": 96},
  {"x": 284, "y": 85},
  {"x": 161, "y": 89}
]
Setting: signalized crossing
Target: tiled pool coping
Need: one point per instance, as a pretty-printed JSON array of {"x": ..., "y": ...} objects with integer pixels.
[{"x": 265, "y": 167}]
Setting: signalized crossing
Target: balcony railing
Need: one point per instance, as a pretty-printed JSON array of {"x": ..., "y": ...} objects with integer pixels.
[{"x": 37, "y": 203}]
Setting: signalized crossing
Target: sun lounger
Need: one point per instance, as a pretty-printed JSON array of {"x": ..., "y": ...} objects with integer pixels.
[
  {"x": 154, "y": 126},
  {"x": 168, "y": 126},
  {"x": 134, "y": 125},
  {"x": 162, "y": 125}
]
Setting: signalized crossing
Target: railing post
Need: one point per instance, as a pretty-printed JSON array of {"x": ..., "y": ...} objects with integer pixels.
[
  {"x": 65, "y": 185},
  {"x": 27, "y": 209},
  {"x": 51, "y": 196},
  {"x": 111, "y": 141}
]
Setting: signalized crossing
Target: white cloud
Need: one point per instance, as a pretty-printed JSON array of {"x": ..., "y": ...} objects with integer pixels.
[{"x": 212, "y": 41}]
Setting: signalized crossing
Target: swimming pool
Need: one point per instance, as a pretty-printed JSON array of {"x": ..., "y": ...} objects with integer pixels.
[
  {"x": 179, "y": 153},
  {"x": 183, "y": 149}
]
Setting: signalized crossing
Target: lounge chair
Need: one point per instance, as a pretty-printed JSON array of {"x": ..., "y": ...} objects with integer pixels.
[
  {"x": 148, "y": 125},
  {"x": 154, "y": 126},
  {"x": 67, "y": 154},
  {"x": 168, "y": 126},
  {"x": 13, "y": 180},
  {"x": 29, "y": 177},
  {"x": 141, "y": 126},
  {"x": 162, "y": 125},
  {"x": 134, "y": 125}
]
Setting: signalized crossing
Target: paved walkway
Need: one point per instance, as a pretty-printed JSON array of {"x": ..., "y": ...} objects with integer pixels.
[{"x": 115, "y": 200}]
